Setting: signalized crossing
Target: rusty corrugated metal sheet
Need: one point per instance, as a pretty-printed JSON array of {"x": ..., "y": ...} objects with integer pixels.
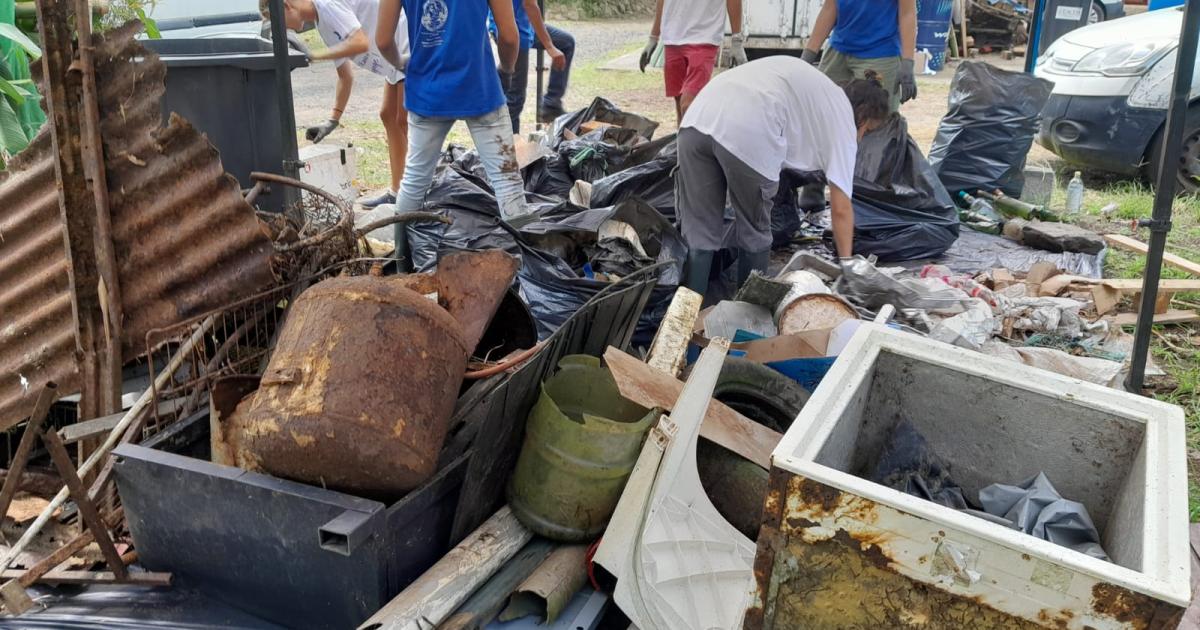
[{"x": 186, "y": 241}]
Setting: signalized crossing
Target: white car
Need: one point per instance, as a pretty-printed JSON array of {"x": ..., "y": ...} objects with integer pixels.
[{"x": 1112, "y": 87}]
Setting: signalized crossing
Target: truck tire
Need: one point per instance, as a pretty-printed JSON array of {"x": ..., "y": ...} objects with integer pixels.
[
  {"x": 1187, "y": 171},
  {"x": 760, "y": 393}
]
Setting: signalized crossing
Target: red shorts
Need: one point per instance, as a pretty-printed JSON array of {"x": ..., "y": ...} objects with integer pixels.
[{"x": 687, "y": 68}]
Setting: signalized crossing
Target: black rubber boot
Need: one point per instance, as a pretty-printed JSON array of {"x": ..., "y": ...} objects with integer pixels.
[
  {"x": 696, "y": 269},
  {"x": 751, "y": 261}
]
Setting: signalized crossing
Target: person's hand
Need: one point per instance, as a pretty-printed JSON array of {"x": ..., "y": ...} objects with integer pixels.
[
  {"x": 908, "y": 85},
  {"x": 737, "y": 50},
  {"x": 558, "y": 60},
  {"x": 811, "y": 56},
  {"x": 647, "y": 53},
  {"x": 318, "y": 132}
]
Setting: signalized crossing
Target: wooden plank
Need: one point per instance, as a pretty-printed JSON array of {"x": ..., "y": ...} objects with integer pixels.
[
  {"x": 654, "y": 388},
  {"x": 19, "y": 459},
  {"x": 1134, "y": 285},
  {"x": 668, "y": 351},
  {"x": 73, "y": 433},
  {"x": 145, "y": 578},
  {"x": 87, "y": 509},
  {"x": 446, "y": 585},
  {"x": 1174, "y": 316},
  {"x": 1130, "y": 244}
]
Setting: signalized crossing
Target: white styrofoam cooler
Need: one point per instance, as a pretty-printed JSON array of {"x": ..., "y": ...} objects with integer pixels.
[
  {"x": 332, "y": 168},
  {"x": 838, "y": 550}
]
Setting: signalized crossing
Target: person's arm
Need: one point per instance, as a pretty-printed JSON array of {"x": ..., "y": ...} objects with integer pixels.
[
  {"x": 345, "y": 84},
  {"x": 822, "y": 27},
  {"x": 843, "y": 221},
  {"x": 652, "y": 42},
  {"x": 656, "y": 29},
  {"x": 908, "y": 28},
  {"x": 354, "y": 45},
  {"x": 558, "y": 60},
  {"x": 385, "y": 32},
  {"x": 734, "y": 8},
  {"x": 508, "y": 40}
]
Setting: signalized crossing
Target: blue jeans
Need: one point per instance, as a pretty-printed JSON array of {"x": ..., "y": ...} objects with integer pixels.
[
  {"x": 555, "y": 89},
  {"x": 494, "y": 143}
]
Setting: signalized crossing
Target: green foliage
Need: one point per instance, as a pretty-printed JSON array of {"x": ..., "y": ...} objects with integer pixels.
[{"x": 122, "y": 11}]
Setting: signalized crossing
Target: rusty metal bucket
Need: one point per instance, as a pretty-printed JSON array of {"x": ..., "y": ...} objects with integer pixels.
[{"x": 359, "y": 391}]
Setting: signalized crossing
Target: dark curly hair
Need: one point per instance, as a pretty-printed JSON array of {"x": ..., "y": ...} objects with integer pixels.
[{"x": 868, "y": 98}]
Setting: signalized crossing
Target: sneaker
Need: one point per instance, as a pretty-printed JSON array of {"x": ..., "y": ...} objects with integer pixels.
[
  {"x": 550, "y": 113},
  {"x": 386, "y": 196}
]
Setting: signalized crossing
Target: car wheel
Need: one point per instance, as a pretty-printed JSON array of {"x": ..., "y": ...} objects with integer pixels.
[
  {"x": 1095, "y": 13},
  {"x": 1187, "y": 170}
]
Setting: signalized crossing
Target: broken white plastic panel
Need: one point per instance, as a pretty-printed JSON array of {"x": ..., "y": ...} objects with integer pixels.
[
  {"x": 1121, "y": 455},
  {"x": 679, "y": 563}
]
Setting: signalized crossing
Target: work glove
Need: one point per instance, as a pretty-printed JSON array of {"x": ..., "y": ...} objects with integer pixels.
[
  {"x": 404, "y": 57},
  {"x": 908, "y": 85},
  {"x": 811, "y": 56},
  {"x": 737, "y": 50},
  {"x": 506, "y": 79},
  {"x": 648, "y": 53},
  {"x": 317, "y": 133}
]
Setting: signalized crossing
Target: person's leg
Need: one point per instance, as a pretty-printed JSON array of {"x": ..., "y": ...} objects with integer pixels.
[
  {"x": 395, "y": 126},
  {"x": 701, "y": 61},
  {"x": 425, "y": 139},
  {"x": 836, "y": 66},
  {"x": 700, "y": 190},
  {"x": 517, "y": 88},
  {"x": 494, "y": 141},
  {"x": 888, "y": 69},
  {"x": 675, "y": 66},
  {"x": 751, "y": 195},
  {"x": 556, "y": 89}
]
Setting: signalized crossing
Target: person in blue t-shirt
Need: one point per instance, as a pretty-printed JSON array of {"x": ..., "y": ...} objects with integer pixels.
[
  {"x": 559, "y": 46},
  {"x": 878, "y": 35},
  {"x": 451, "y": 76}
]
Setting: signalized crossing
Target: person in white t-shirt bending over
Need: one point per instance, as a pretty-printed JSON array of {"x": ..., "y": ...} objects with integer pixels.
[
  {"x": 749, "y": 124},
  {"x": 348, "y": 29},
  {"x": 691, "y": 32}
]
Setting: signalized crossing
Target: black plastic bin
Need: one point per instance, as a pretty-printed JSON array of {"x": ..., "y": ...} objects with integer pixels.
[
  {"x": 225, "y": 87},
  {"x": 307, "y": 557}
]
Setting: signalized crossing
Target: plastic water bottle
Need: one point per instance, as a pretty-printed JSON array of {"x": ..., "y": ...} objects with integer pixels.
[{"x": 1075, "y": 194}]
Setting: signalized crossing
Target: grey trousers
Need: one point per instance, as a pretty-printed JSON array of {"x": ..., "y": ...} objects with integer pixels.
[{"x": 708, "y": 175}]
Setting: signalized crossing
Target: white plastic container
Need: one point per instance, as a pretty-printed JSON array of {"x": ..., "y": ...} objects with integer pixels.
[{"x": 837, "y": 550}]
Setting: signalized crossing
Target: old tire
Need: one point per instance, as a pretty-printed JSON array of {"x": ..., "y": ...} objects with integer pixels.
[
  {"x": 760, "y": 393},
  {"x": 1187, "y": 170}
]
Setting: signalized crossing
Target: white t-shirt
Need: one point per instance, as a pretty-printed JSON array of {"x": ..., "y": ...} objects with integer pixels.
[
  {"x": 337, "y": 20},
  {"x": 693, "y": 22},
  {"x": 780, "y": 112}
]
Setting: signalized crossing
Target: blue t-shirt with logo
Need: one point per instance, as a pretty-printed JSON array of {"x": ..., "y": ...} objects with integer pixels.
[
  {"x": 868, "y": 29},
  {"x": 524, "y": 26},
  {"x": 452, "y": 73}
]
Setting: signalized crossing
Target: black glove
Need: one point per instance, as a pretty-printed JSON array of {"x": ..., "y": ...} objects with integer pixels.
[
  {"x": 908, "y": 85},
  {"x": 811, "y": 56},
  {"x": 317, "y": 133},
  {"x": 506, "y": 79}
]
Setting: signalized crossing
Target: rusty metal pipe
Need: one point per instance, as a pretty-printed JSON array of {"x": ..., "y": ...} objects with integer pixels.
[{"x": 505, "y": 365}]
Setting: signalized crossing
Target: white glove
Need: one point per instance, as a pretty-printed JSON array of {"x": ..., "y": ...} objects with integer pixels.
[
  {"x": 647, "y": 53},
  {"x": 737, "y": 50}
]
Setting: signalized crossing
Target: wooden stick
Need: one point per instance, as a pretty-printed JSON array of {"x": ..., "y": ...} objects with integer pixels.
[
  {"x": 21, "y": 458},
  {"x": 668, "y": 351},
  {"x": 1133, "y": 245},
  {"x": 87, "y": 509},
  {"x": 137, "y": 411},
  {"x": 145, "y": 578}
]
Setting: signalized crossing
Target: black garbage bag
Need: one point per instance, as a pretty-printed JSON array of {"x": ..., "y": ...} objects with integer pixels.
[
  {"x": 982, "y": 141},
  {"x": 652, "y": 180},
  {"x": 909, "y": 465},
  {"x": 595, "y": 155},
  {"x": 601, "y": 110},
  {"x": 901, "y": 210},
  {"x": 549, "y": 175}
]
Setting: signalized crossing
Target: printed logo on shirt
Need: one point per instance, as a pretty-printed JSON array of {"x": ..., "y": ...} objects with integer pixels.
[{"x": 433, "y": 23}]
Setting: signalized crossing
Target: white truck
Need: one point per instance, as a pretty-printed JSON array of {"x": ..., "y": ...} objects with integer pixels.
[{"x": 777, "y": 26}]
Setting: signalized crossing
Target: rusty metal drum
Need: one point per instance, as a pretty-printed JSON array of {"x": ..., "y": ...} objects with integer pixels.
[{"x": 359, "y": 390}]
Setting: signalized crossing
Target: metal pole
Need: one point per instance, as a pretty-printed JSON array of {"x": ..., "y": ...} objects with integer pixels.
[
  {"x": 1033, "y": 48},
  {"x": 287, "y": 111},
  {"x": 1164, "y": 194},
  {"x": 541, "y": 67}
]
